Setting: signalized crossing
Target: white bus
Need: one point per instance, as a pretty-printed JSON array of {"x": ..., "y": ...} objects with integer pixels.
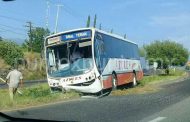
[{"x": 89, "y": 60}]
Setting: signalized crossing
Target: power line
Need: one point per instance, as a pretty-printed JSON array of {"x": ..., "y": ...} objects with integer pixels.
[
  {"x": 16, "y": 19},
  {"x": 70, "y": 11},
  {"x": 11, "y": 18},
  {"x": 13, "y": 12},
  {"x": 21, "y": 29},
  {"x": 5, "y": 30},
  {"x": 57, "y": 16}
]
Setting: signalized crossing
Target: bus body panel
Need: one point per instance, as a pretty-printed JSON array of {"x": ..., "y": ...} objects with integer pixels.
[
  {"x": 110, "y": 53},
  {"x": 118, "y": 56}
]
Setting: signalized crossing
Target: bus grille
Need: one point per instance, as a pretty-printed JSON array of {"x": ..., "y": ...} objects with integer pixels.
[{"x": 84, "y": 84}]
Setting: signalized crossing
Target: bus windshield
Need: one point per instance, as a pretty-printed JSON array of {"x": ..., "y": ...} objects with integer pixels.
[{"x": 71, "y": 58}]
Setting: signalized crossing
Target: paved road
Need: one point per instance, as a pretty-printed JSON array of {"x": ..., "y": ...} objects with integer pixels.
[{"x": 172, "y": 103}]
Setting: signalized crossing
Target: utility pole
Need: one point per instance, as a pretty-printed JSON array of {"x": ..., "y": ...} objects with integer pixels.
[
  {"x": 47, "y": 14},
  {"x": 56, "y": 21},
  {"x": 30, "y": 34}
]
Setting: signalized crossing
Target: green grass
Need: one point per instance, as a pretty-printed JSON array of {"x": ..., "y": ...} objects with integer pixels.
[
  {"x": 40, "y": 93},
  {"x": 162, "y": 77},
  {"x": 36, "y": 95},
  {"x": 149, "y": 83}
]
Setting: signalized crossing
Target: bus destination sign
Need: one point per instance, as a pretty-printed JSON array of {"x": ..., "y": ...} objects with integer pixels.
[
  {"x": 76, "y": 35},
  {"x": 54, "y": 40}
]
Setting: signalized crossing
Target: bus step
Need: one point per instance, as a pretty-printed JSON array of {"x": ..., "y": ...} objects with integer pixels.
[{"x": 95, "y": 96}]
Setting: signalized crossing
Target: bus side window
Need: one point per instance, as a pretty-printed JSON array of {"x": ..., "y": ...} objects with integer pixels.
[
  {"x": 101, "y": 46},
  {"x": 99, "y": 51}
]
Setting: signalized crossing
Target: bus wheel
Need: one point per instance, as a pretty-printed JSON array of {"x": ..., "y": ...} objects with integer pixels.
[
  {"x": 134, "y": 83},
  {"x": 114, "y": 82}
]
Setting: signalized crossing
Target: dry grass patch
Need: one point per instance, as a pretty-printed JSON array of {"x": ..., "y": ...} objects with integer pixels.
[{"x": 151, "y": 83}]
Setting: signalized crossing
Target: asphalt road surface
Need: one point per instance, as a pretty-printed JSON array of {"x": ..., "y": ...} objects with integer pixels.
[{"x": 170, "y": 104}]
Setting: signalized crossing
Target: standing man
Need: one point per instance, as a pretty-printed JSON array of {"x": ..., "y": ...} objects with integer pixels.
[{"x": 15, "y": 79}]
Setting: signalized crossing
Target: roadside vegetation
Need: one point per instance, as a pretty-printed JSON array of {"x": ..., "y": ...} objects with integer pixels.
[
  {"x": 30, "y": 63},
  {"x": 162, "y": 77},
  {"x": 165, "y": 53},
  {"x": 40, "y": 94},
  {"x": 33, "y": 96},
  {"x": 30, "y": 57},
  {"x": 34, "y": 69},
  {"x": 152, "y": 83}
]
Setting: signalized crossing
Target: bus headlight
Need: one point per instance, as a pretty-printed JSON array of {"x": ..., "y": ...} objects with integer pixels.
[
  {"x": 53, "y": 83},
  {"x": 86, "y": 79},
  {"x": 91, "y": 77}
]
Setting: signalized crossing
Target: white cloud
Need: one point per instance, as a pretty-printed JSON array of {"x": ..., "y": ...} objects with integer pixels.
[
  {"x": 120, "y": 5},
  {"x": 184, "y": 40},
  {"x": 178, "y": 20}
]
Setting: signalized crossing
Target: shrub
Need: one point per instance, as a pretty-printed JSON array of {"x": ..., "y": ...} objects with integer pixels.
[{"x": 10, "y": 52}]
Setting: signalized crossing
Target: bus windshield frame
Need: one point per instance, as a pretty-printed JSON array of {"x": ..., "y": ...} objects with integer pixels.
[{"x": 69, "y": 58}]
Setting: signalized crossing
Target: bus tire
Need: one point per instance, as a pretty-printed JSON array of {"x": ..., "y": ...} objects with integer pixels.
[
  {"x": 134, "y": 83},
  {"x": 114, "y": 81}
]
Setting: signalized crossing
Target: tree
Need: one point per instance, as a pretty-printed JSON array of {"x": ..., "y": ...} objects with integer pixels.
[
  {"x": 142, "y": 52},
  {"x": 10, "y": 52},
  {"x": 125, "y": 36},
  {"x": 1, "y": 39},
  {"x": 88, "y": 22},
  {"x": 111, "y": 31},
  {"x": 95, "y": 18},
  {"x": 38, "y": 36},
  {"x": 100, "y": 26},
  {"x": 167, "y": 52}
]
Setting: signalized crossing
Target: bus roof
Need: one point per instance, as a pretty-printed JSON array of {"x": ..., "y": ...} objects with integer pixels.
[
  {"x": 114, "y": 35},
  {"x": 100, "y": 31}
]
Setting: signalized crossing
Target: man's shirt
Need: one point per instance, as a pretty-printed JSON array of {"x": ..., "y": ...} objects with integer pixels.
[{"x": 14, "y": 76}]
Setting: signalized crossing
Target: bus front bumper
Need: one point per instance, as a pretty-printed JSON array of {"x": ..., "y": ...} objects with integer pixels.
[{"x": 95, "y": 87}]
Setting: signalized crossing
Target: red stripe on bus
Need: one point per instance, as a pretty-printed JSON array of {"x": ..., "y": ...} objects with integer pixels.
[
  {"x": 139, "y": 75},
  {"x": 122, "y": 79},
  {"x": 108, "y": 82}
]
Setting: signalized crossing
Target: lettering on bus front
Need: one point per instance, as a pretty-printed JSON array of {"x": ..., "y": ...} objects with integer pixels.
[
  {"x": 69, "y": 36},
  {"x": 76, "y": 35},
  {"x": 81, "y": 34},
  {"x": 71, "y": 79}
]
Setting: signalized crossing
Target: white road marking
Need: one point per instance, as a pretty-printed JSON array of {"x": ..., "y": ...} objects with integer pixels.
[{"x": 158, "y": 119}]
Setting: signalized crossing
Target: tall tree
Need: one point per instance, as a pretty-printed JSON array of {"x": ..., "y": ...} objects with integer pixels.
[
  {"x": 125, "y": 36},
  {"x": 111, "y": 31},
  {"x": 167, "y": 52},
  {"x": 100, "y": 26},
  {"x": 88, "y": 22},
  {"x": 38, "y": 36},
  {"x": 142, "y": 52},
  {"x": 95, "y": 19}
]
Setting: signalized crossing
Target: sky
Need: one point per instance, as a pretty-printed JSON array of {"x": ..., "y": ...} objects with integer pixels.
[{"x": 143, "y": 21}]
